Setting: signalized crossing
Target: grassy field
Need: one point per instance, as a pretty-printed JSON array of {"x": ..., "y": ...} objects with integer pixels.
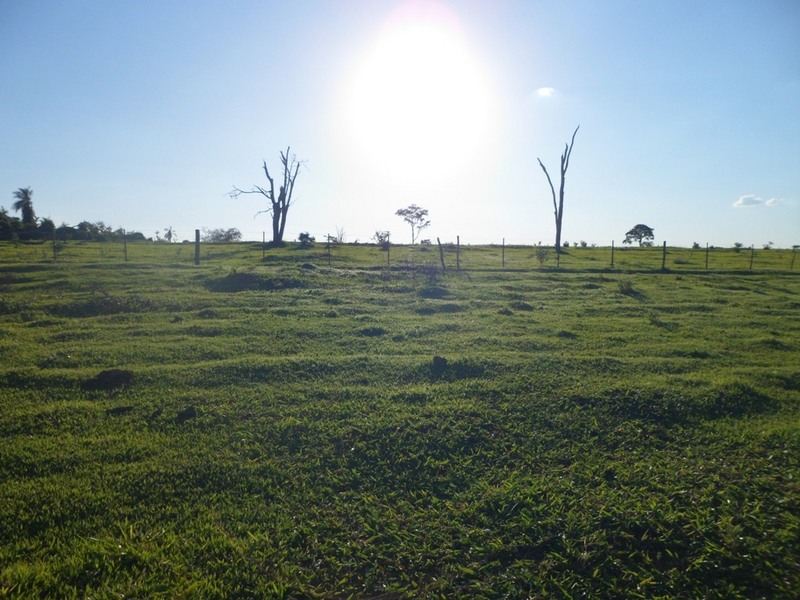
[
  {"x": 369, "y": 256},
  {"x": 275, "y": 425}
]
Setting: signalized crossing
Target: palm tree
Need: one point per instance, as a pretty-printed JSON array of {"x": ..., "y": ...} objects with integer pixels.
[{"x": 24, "y": 204}]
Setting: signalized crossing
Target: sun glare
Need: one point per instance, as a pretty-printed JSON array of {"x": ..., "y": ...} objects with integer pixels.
[{"x": 419, "y": 100}]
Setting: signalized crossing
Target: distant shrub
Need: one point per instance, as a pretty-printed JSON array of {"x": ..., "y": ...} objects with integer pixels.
[
  {"x": 306, "y": 240},
  {"x": 222, "y": 236},
  {"x": 542, "y": 254},
  {"x": 382, "y": 239},
  {"x": 695, "y": 246}
]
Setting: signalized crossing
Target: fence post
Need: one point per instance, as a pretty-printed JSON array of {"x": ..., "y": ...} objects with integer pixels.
[
  {"x": 664, "y": 257},
  {"x": 612, "y": 254},
  {"x": 441, "y": 254},
  {"x": 197, "y": 246},
  {"x": 752, "y": 255},
  {"x": 388, "y": 252},
  {"x": 125, "y": 244},
  {"x": 328, "y": 248}
]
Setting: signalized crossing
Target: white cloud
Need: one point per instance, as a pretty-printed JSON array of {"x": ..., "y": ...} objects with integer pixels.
[
  {"x": 752, "y": 200},
  {"x": 545, "y": 92}
]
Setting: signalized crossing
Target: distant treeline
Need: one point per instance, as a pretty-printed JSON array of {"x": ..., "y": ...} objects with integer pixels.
[{"x": 13, "y": 228}]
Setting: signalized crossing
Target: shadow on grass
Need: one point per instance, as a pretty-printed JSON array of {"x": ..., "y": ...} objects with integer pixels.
[
  {"x": 241, "y": 282},
  {"x": 728, "y": 400}
]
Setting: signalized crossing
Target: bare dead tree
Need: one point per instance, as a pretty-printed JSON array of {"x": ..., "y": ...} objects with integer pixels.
[
  {"x": 558, "y": 206},
  {"x": 279, "y": 205}
]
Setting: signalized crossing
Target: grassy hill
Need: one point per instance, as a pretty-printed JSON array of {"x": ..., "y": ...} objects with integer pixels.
[{"x": 300, "y": 423}]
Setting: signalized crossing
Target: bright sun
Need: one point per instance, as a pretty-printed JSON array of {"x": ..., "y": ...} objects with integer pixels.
[{"x": 419, "y": 100}]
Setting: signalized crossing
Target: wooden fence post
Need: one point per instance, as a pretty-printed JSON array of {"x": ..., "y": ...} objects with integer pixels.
[
  {"x": 441, "y": 254},
  {"x": 197, "y": 246},
  {"x": 752, "y": 255},
  {"x": 612, "y": 254},
  {"x": 664, "y": 257},
  {"x": 328, "y": 248}
]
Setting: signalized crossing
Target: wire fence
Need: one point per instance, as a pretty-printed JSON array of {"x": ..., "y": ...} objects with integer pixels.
[{"x": 453, "y": 256}]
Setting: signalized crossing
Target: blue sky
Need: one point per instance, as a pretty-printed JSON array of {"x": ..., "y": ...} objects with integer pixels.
[{"x": 145, "y": 115}]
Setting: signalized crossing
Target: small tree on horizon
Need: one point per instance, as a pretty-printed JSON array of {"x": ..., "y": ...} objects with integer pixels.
[
  {"x": 306, "y": 239},
  {"x": 381, "y": 238},
  {"x": 24, "y": 204},
  {"x": 417, "y": 217},
  {"x": 280, "y": 203},
  {"x": 640, "y": 233},
  {"x": 222, "y": 236}
]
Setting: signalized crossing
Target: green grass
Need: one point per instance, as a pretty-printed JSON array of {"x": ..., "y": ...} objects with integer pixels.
[
  {"x": 594, "y": 433},
  {"x": 494, "y": 257}
]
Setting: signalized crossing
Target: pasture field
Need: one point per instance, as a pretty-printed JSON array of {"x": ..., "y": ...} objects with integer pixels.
[
  {"x": 274, "y": 424},
  {"x": 368, "y": 256}
]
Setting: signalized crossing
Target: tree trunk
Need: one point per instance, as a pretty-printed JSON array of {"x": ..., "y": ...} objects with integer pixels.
[
  {"x": 284, "y": 210},
  {"x": 558, "y": 233},
  {"x": 277, "y": 235}
]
